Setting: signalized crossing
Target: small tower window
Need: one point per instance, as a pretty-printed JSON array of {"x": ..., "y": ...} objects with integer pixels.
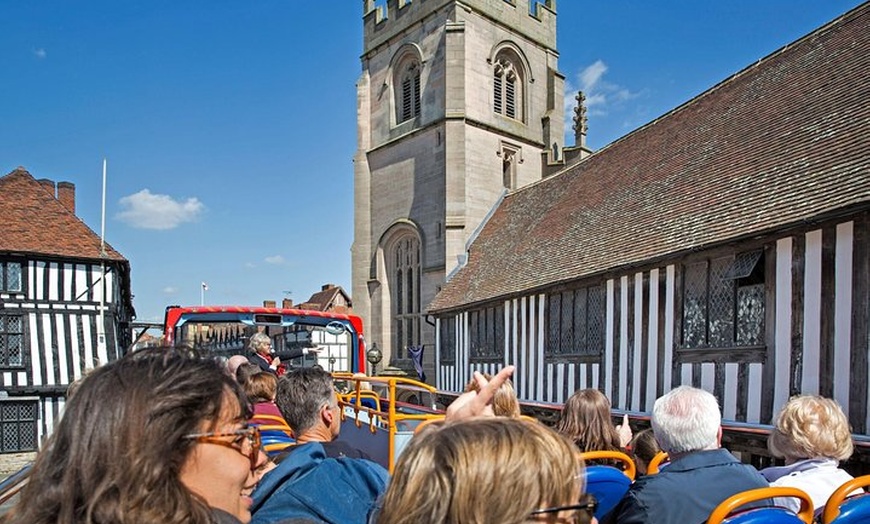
[
  {"x": 408, "y": 91},
  {"x": 507, "y": 88}
]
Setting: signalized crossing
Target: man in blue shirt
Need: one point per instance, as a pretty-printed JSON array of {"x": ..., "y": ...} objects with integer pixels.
[
  {"x": 687, "y": 425},
  {"x": 320, "y": 479}
]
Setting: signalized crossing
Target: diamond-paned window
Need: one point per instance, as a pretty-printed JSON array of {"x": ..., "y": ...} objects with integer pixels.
[
  {"x": 18, "y": 426},
  {"x": 11, "y": 341},
  {"x": 11, "y": 276},
  {"x": 724, "y": 302},
  {"x": 575, "y": 322},
  {"x": 486, "y": 333}
]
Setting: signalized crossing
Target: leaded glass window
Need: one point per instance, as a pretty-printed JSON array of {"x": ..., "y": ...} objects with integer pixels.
[
  {"x": 487, "y": 333},
  {"x": 724, "y": 301},
  {"x": 11, "y": 341},
  {"x": 448, "y": 339},
  {"x": 575, "y": 322},
  {"x": 10, "y": 277},
  {"x": 405, "y": 292},
  {"x": 18, "y": 426}
]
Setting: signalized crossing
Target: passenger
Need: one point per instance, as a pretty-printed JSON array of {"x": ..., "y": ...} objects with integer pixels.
[
  {"x": 643, "y": 448},
  {"x": 687, "y": 425},
  {"x": 586, "y": 420},
  {"x": 262, "y": 354},
  {"x": 318, "y": 478},
  {"x": 262, "y": 389},
  {"x": 245, "y": 372},
  {"x": 812, "y": 434},
  {"x": 505, "y": 402},
  {"x": 234, "y": 362},
  {"x": 156, "y": 436},
  {"x": 487, "y": 471}
]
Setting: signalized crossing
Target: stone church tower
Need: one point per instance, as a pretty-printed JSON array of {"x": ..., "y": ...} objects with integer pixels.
[{"x": 458, "y": 103}]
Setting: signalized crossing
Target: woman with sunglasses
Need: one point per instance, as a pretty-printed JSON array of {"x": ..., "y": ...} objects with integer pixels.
[
  {"x": 487, "y": 471},
  {"x": 158, "y": 436}
]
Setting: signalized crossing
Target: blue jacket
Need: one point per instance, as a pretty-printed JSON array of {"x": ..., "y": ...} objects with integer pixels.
[
  {"x": 687, "y": 490},
  {"x": 309, "y": 484}
]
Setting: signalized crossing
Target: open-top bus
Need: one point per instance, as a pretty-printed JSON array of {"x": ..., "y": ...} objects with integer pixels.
[{"x": 225, "y": 331}]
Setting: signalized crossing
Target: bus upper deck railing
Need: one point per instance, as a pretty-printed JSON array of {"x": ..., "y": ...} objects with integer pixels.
[{"x": 395, "y": 417}]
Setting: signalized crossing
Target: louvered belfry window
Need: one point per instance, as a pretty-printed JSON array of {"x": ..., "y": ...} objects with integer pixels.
[
  {"x": 409, "y": 103},
  {"x": 507, "y": 93}
]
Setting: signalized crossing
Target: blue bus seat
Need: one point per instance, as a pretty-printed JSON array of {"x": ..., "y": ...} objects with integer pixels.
[
  {"x": 608, "y": 484},
  {"x": 843, "y": 509},
  {"x": 730, "y": 512}
]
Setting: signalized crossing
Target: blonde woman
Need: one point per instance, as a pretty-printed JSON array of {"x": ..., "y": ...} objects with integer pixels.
[
  {"x": 487, "y": 471},
  {"x": 505, "y": 402},
  {"x": 812, "y": 434}
]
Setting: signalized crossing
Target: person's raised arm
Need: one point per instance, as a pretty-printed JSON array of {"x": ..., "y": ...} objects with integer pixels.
[{"x": 478, "y": 403}]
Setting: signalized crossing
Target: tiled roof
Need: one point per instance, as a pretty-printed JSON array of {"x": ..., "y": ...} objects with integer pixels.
[
  {"x": 785, "y": 140},
  {"x": 324, "y": 299},
  {"x": 34, "y": 221}
]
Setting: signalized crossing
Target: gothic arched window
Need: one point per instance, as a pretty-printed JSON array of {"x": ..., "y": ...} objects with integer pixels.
[
  {"x": 507, "y": 76},
  {"x": 407, "y": 89},
  {"x": 405, "y": 292}
]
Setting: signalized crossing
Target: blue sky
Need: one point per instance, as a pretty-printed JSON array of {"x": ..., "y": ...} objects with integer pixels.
[{"x": 230, "y": 127}]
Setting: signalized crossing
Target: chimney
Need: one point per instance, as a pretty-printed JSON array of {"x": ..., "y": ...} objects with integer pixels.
[
  {"x": 287, "y": 303},
  {"x": 268, "y": 303},
  {"x": 66, "y": 193},
  {"x": 48, "y": 185},
  {"x": 325, "y": 287}
]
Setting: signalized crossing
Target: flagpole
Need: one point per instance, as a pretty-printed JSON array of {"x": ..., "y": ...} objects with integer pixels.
[{"x": 101, "y": 326}]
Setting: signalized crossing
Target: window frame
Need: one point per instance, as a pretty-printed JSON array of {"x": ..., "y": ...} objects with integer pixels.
[
  {"x": 508, "y": 86},
  {"x": 405, "y": 278},
  {"x": 5, "y": 264},
  {"x": 407, "y": 88},
  {"x": 593, "y": 323},
  {"x": 723, "y": 282},
  {"x": 5, "y": 361},
  {"x": 487, "y": 334}
]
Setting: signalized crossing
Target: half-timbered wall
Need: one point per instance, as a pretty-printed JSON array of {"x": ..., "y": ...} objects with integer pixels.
[
  {"x": 55, "y": 316},
  {"x": 752, "y": 323}
]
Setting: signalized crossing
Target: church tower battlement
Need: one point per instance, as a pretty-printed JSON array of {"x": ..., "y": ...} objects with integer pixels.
[{"x": 458, "y": 102}]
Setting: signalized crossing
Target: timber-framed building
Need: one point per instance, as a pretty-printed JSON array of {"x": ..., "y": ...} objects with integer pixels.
[
  {"x": 52, "y": 285},
  {"x": 724, "y": 245}
]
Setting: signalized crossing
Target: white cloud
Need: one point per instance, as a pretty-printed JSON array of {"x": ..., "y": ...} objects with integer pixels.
[
  {"x": 250, "y": 265},
  {"x": 276, "y": 260},
  {"x": 601, "y": 96},
  {"x": 145, "y": 210},
  {"x": 591, "y": 76},
  {"x": 39, "y": 53},
  {"x": 169, "y": 290}
]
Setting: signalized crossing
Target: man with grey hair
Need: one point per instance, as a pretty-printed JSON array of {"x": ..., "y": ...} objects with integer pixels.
[
  {"x": 687, "y": 425},
  {"x": 319, "y": 478}
]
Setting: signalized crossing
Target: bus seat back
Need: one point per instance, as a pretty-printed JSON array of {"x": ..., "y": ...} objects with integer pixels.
[{"x": 608, "y": 485}]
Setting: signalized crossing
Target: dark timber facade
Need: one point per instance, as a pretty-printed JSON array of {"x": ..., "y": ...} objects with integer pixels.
[{"x": 724, "y": 245}]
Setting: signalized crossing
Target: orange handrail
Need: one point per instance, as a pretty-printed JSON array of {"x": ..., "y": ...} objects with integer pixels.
[
  {"x": 656, "y": 463},
  {"x": 832, "y": 507},
  {"x": 630, "y": 469},
  {"x": 735, "y": 501},
  {"x": 392, "y": 417}
]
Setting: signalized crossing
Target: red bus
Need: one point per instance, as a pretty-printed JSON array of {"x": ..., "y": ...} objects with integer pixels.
[{"x": 225, "y": 330}]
